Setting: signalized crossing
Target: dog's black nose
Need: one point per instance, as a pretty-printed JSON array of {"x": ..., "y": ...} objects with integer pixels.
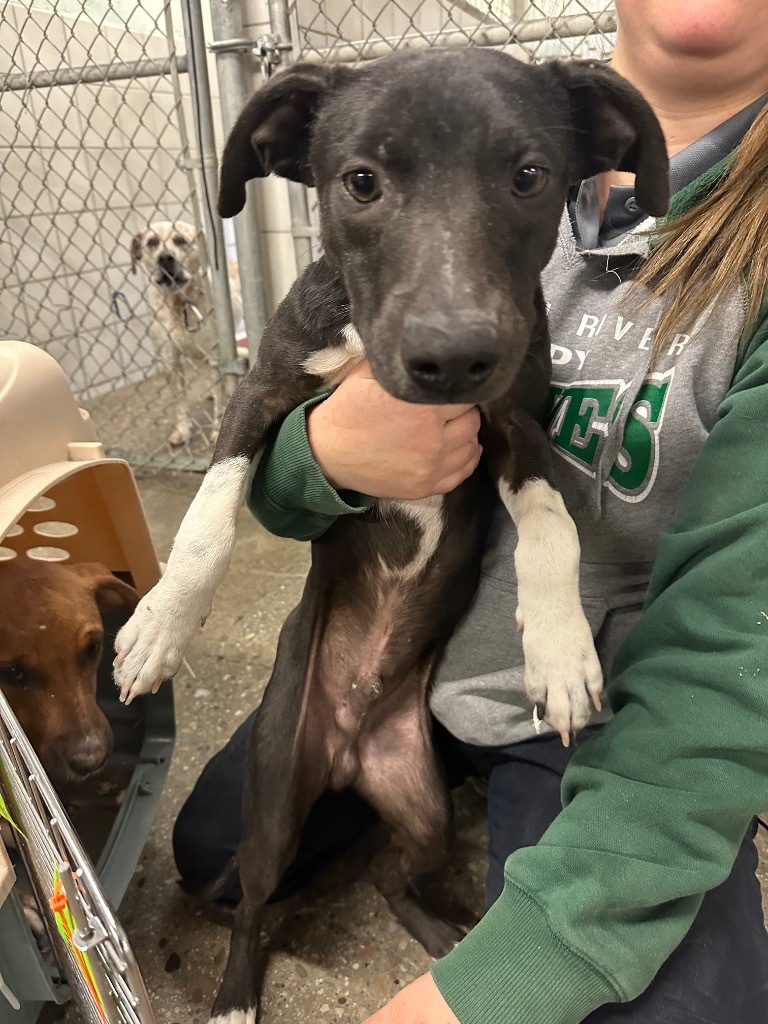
[
  {"x": 167, "y": 263},
  {"x": 450, "y": 361}
]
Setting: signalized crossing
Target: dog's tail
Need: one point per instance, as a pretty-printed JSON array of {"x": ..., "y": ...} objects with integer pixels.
[{"x": 224, "y": 889}]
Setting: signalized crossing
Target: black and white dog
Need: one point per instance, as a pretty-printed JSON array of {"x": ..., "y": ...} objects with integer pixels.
[{"x": 441, "y": 177}]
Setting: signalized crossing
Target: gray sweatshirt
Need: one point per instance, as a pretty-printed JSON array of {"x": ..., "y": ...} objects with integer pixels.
[{"x": 624, "y": 435}]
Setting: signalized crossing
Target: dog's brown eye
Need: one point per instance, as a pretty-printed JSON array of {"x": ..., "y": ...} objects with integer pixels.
[
  {"x": 362, "y": 185},
  {"x": 529, "y": 181},
  {"x": 179, "y": 240},
  {"x": 92, "y": 649},
  {"x": 12, "y": 675},
  {"x": 152, "y": 243}
]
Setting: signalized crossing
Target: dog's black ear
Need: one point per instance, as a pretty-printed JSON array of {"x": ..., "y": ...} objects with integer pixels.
[
  {"x": 273, "y": 132},
  {"x": 135, "y": 252},
  {"x": 616, "y": 129}
]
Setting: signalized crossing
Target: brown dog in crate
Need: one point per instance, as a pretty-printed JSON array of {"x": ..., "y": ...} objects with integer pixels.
[
  {"x": 172, "y": 256},
  {"x": 51, "y": 642}
]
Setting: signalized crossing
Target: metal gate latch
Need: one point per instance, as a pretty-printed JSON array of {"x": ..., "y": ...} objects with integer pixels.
[{"x": 268, "y": 49}]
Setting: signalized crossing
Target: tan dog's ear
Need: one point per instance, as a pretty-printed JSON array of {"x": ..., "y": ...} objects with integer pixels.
[
  {"x": 135, "y": 252},
  {"x": 109, "y": 592}
]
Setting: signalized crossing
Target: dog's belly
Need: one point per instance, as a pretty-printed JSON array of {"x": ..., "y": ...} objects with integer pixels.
[{"x": 399, "y": 582}]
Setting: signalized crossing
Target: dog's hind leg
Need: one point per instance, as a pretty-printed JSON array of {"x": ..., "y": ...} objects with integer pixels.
[
  {"x": 401, "y": 779},
  {"x": 283, "y": 796},
  {"x": 286, "y": 772}
]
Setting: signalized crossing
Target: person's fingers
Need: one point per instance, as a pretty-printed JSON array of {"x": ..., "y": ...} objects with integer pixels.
[
  {"x": 451, "y": 413},
  {"x": 464, "y": 469},
  {"x": 462, "y": 429}
]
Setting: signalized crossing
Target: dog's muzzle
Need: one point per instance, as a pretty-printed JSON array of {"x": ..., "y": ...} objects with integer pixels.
[{"x": 170, "y": 273}]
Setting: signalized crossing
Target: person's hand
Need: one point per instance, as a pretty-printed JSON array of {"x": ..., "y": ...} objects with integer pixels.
[
  {"x": 418, "y": 1003},
  {"x": 365, "y": 440}
]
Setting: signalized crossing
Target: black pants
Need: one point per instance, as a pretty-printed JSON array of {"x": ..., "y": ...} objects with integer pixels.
[{"x": 718, "y": 975}]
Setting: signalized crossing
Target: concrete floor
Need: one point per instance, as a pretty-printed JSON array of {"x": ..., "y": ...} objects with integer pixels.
[{"x": 340, "y": 955}]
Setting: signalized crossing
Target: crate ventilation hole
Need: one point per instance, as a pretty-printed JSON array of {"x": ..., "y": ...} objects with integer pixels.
[{"x": 51, "y": 528}]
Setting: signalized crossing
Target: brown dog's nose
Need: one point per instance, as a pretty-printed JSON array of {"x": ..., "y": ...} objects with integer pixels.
[
  {"x": 449, "y": 362},
  {"x": 89, "y": 756}
]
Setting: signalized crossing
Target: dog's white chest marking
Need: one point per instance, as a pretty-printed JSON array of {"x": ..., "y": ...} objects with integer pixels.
[
  {"x": 562, "y": 670},
  {"x": 427, "y": 514},
  {"x": 333, "y": 364},
  {"x": 151, "y": 645}
]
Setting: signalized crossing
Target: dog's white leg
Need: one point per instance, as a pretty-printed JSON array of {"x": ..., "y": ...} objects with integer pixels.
[
  {"x": 183, "y": 421},
  {"x": 151, "y": 645},
  {"x": 562, "y": 670}
]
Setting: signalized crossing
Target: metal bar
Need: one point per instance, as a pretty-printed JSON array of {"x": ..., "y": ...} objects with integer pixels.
[
  {"x": 227, "y": 24},
  {"x": 92, "y": 73},
  {"x": 242, "y": 43},
  {"x": 185, "y": 162},
  {"x": 206, "y": 143},
  {"x": 536, "y": 31},
  {"x": 298, "y": 200}
]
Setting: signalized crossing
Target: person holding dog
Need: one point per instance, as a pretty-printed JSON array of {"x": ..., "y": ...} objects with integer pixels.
[{"x": 621, "y": 882}]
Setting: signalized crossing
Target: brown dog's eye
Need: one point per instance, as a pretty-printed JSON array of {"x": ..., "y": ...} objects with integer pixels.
[
  {"x": 362, "y": 185},
  {"x": 529, "y": 181},
  {"x": 152, "y": 243},
  {"x": 12, "y": 675},
  {"x": 180, "y": 240},
  {"x": 92, "y": 649}
]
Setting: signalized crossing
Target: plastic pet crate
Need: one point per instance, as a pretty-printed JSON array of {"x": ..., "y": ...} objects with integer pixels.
[{"x": 61, "y": 499}]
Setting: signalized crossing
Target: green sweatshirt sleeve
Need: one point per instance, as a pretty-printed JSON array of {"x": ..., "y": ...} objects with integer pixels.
[
  {"x": 289, "y": 495},
  {"x": 657, "y": 804}
]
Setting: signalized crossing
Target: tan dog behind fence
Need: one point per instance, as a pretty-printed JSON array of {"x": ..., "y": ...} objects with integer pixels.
[{"x": 173, "y": 257}]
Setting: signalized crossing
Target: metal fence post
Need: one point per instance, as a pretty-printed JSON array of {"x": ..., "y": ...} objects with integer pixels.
[
  {"x": 206, "y": 142},
  {"x": 227, "y": 23},
  {"x": 303, "y": 231}
]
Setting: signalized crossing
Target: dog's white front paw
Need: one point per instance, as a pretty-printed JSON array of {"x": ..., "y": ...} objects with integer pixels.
[
  {"x": 563, "y": 677},
  {"x": 151, "y": 645}
]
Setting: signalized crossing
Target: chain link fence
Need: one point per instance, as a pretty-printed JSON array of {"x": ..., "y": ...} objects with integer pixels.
[
  {"x": 111, "y": 256},
  {"x": 356, "y": 30},
  {"x": 96, "y": 114}
]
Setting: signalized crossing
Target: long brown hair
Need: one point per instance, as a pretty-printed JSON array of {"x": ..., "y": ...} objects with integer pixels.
[{"x": 701, "y": 256}]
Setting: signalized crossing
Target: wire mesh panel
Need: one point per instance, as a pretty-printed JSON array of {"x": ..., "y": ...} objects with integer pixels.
[
  {"x": 355, "y": 30},
  {"x": 352, "y": 31},
  {"x": 101, "y": 259},
  {"x": 87, "y": 940}
]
